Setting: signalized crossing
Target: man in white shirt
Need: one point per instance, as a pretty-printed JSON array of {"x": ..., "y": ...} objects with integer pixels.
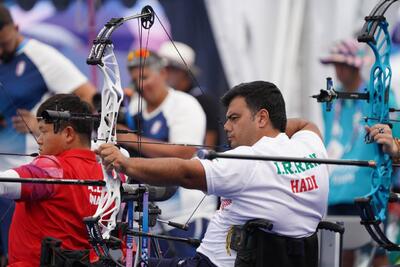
[{"x": 256, "y": 125}]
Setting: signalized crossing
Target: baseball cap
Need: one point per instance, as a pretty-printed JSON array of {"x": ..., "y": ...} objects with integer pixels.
[
  {"x": 169, "y": 52},
  {"x": 349, "y": 52},
  {"x": 143, "y": 56}
]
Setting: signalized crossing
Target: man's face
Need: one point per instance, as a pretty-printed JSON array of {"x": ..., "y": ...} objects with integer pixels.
[
  {"x": 240, "y": 125},
  {"x": 346, "y": 74},
  {"x": 50, "y": 143},
  {"x": 8, "y": 42},
  {"x": 153, "y": 83},
  {"x": 176, "y": 78}
]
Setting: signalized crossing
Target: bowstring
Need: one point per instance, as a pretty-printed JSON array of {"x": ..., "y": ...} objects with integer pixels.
[{"x": 193, "y": 77}]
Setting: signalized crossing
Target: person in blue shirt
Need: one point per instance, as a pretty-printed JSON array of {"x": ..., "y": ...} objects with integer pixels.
[
  {"x": 344, "y": 136},
  {"x": 30, "y": 71}
]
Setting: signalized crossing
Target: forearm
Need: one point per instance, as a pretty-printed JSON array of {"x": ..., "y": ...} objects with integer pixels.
[
  {"x": 154, "y": 148},
  {"x": 296, "y": 124},
  {"x": 166, "y": 171}
]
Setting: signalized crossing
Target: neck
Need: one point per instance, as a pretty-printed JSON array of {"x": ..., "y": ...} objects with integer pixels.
[
  {"x": 272, "y": 133},
  {"x": 184, "y": 86},
  {"x": 78, "y": 144},
  {"x": 152, "y": 105},
  {"x": 20, "y": 39}
]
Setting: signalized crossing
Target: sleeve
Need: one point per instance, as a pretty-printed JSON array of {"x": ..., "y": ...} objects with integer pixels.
[
  {"x": 227, "y": 177},
  {"x": 59, "y": 73},
  {"x": 41, "y": 167},
  {"x": 311, "y": 140},
  {"x": 186, "y": 121},
  {"x": 10, "y": 190}
]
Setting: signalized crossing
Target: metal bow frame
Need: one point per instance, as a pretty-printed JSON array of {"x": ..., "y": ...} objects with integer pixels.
[{"x": 101, "y": 224}]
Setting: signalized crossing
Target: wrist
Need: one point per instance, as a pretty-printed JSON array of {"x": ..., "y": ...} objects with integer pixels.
[{"x": 396, "y": 150}]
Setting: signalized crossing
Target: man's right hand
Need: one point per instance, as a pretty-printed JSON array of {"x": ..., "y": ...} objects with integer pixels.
[
  {"x": 382, "y": 134},
  {"x": 25, "y": 122}
]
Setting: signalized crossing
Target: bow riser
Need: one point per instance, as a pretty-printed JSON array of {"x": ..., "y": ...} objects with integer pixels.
[
  {"x": 112, "y": 97},
  {"x": 379, "y": 86}
]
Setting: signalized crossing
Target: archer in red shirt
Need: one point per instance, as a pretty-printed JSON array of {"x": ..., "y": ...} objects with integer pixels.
[{"x": 54, "y": 210}]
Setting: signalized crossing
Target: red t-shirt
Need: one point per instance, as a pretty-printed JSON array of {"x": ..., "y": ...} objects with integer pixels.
[{"x": 53, "y": 210}]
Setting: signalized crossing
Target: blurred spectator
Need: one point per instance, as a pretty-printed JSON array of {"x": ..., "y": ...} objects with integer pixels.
[
  {"x": 29, "y": 72},
  {"x": 344, "y": 136},
  {"x": 181, "y": 77},
  {"x": 174, "y": 117}
]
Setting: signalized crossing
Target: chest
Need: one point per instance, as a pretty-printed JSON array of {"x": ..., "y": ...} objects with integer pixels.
[
  {"x": 155, "y": 127},
  {"x": 22, "y": 85}
]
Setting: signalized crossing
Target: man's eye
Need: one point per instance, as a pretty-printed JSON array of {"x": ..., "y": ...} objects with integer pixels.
[{"x": 233, "y": 118}]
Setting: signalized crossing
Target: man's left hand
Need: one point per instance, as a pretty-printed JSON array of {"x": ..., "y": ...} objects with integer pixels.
[{"x": 112, "y": 157}]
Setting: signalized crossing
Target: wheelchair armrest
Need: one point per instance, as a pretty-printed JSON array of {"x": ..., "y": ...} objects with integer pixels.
[{"x": 331, "y": 226}]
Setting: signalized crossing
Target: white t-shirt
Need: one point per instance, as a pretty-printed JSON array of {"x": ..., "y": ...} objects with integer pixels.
[{"x": 293, "y": 196}]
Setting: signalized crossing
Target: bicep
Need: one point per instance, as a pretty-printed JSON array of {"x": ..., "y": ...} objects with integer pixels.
[{"x": 195, "y": 176}]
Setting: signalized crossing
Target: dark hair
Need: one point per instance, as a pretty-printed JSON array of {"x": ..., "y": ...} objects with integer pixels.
[
  {"x": 73, "y": 104},
  {"x": 261, "y": 95},
  {"x": 5, "y": 17}
]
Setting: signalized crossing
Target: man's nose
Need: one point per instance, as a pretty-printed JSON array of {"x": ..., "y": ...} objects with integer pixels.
[
  {"x": 40, "y": 140},
  {"x": 226, "y": 126}
]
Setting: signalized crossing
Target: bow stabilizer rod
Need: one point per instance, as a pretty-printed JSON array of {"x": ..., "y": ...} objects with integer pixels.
[
  {"x": 53, "y": 181},
  {"x": 210, "y": 154}
]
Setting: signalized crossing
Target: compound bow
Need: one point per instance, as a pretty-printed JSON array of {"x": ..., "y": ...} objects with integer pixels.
[
  {"x": 103, "y": 221},
  {"x": 373, "y": 206}
]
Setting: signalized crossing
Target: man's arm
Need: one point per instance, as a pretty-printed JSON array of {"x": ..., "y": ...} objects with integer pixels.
[
  {"x": 297, "y": 124},
  {"x": 152, "y": 148},
  {"x": 160, "y": 171},
  {"x": 86, "y": 92},
  {"x": 10, "y": 190}
]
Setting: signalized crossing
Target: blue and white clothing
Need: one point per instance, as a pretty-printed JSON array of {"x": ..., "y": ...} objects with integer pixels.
[
  {"x": 179, "y": 119},
  {"x": 344, "y": 138},
  {"x": 36, "y": 71}
]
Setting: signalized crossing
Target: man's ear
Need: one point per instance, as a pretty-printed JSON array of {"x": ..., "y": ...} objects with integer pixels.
[
  {"x": 70, "y": 134},
  {"x": 262, "y": 118}
]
